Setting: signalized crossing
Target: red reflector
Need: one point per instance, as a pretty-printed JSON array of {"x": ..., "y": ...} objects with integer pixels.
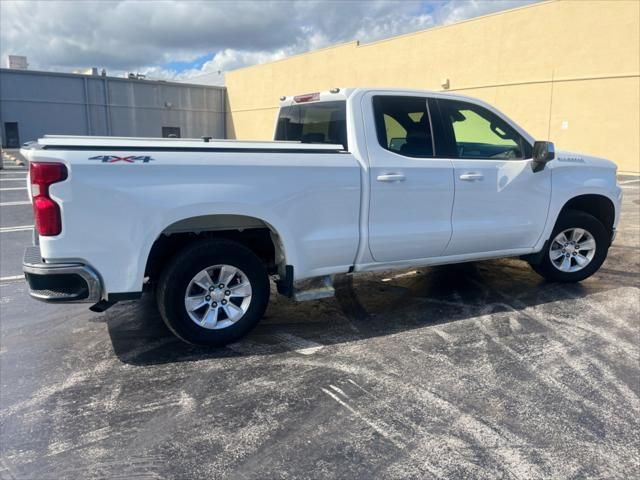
[
  {"x": 307, "y": 97},
  {"x": 46, "y": 212}
]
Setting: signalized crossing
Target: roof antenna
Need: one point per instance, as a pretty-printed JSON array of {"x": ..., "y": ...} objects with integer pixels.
[{"x": 207, "y": 139}]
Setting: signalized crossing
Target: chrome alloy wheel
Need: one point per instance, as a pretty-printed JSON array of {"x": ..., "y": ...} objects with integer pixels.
[
  {"x": 218, "y": 296},
  {"x": 572, "y": 250}
]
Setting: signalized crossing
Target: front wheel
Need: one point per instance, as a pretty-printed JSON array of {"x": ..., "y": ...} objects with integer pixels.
[
  {"x": 577, "y": 248},
  {"x": 213, "y": 292}
]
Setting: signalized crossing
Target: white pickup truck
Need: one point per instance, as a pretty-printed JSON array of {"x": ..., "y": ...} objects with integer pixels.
[{"x": 356, "y": 180}]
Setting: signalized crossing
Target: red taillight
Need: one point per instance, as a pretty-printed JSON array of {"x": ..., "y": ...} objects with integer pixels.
[{"x": 45, "y": 210}]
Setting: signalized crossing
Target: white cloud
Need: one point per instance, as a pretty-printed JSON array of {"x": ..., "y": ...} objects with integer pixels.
[{"x": 144, "y": 35}]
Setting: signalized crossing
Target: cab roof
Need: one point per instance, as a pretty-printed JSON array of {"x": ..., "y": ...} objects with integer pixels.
[{"x": 343, "y": 93}]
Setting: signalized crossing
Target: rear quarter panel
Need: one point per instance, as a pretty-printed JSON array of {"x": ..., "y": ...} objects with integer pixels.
[{"x": 113, "y": 212}]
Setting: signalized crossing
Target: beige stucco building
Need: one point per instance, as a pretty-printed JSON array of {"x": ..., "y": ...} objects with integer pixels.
[{"x": 565, "y": 70}]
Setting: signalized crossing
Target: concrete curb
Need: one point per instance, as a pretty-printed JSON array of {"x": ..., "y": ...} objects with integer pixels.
[{"x": 10, "y": 157}]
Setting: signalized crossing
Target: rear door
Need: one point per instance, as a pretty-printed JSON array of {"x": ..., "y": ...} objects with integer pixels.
[
  {"x": 411, "y": 189},
  {"x": 500, "y": 203}
]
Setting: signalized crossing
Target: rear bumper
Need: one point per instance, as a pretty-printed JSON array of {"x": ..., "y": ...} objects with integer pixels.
[{"x": 72, "y": 282}]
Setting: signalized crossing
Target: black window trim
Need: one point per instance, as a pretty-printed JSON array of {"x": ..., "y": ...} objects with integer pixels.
[
  {"x": 450, "y": 143},
  {"x": 426, "y": 99},
  {"x": 433, "y": 138}
]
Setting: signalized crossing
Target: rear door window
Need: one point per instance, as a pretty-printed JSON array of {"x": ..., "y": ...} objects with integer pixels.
[
  {"x": 403, "y": 125},
  {"x": 322, "y": 122}
]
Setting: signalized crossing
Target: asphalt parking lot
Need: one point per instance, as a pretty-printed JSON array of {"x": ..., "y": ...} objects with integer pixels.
[{"x": 468, "y": 371}]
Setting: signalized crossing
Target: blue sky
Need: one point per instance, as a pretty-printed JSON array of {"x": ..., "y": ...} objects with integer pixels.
[{"x": 184, "y": 65}]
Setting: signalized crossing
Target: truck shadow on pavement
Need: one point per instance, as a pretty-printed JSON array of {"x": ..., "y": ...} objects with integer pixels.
[{"x": 375, "y": 305}]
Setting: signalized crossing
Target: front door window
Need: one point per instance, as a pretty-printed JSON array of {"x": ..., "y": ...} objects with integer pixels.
[{"x": 480, "y": 134}]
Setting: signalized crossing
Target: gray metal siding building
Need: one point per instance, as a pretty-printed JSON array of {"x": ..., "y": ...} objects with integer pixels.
[{"x": 34, "y": 103}]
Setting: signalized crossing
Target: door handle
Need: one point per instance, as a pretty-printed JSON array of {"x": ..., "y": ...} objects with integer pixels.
[
  {"x": 471, "y": 176},
  {"x": 391, "y": 177}
]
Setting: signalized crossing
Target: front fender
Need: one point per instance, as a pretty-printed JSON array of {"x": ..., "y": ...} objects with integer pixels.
[{"x": 571, "y": 182}]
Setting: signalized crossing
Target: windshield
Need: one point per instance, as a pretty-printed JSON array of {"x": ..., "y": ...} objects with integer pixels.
[{"x": 323, "y": 122}]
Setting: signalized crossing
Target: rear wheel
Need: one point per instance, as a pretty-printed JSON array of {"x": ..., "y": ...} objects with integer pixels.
[
  {"x": 213, "y": 293},
  {"x": 577, "y": 248}
]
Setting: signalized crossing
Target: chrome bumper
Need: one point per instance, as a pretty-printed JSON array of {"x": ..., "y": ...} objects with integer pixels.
[{"x": 60, "y": 282}]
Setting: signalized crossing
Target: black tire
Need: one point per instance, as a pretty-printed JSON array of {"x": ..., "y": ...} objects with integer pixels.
[
  {"x": 575, "y": 219},
  {"x": 177, "y": 275}
]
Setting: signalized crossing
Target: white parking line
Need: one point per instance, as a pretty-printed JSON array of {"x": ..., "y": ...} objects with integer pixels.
[
  {"x": 21, "y": 228},
  {"x": 9, "y": 279},
  {"x": 629, "y": 181},
  {"x": 9, "y": 204},
  {"x": 12, "y": 189}
]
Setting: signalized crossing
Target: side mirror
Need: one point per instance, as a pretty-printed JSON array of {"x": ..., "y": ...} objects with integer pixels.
[{"x": 543, "y": 152}]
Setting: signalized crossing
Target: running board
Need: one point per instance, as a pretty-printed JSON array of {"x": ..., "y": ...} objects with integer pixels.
[{"x": 313, "y": 289}]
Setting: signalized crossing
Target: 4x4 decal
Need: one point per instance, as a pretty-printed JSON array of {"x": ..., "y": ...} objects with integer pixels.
[{"x": 114, "y": 158}]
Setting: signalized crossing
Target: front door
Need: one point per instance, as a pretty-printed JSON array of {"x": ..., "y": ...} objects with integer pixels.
[
  {"x": 500, "y": 203},
  {"x": 411, "y": 193}
]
